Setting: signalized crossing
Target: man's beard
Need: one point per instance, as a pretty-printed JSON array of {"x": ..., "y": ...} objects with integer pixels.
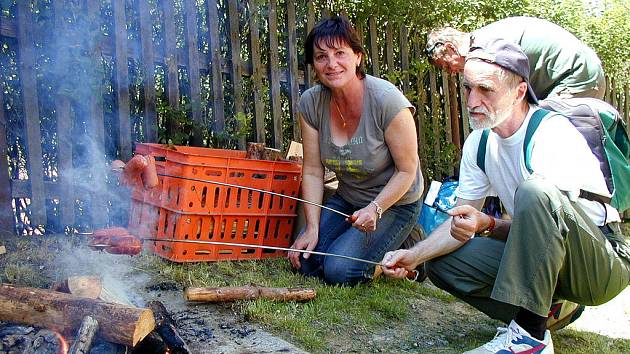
[{"x": 491, "y": 119}]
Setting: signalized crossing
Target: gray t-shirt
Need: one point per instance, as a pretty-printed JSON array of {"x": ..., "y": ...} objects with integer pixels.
[
  {"x": 557, "y": 59},
  {"x": 364, "y": 165}
]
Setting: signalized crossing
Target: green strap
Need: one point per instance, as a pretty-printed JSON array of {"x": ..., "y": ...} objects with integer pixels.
[
  {"x": 534, "y": 122},
  {"x": 481, "y": 151}
]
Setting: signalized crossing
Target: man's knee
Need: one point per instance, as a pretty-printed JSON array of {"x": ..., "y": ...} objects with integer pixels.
[
  {"x": 533, "y": 193},
  {"x": 437, "y": 270}
]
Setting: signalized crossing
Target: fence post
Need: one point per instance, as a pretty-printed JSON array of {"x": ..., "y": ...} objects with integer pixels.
[
  {"x": 435, "y": 117},
  {"x": 376, "y": 71},
  {"x": 310, "y": 23},
  {"x": 389, "y": 47},
  {"x": 190, "y": 20},
  {"x": 404, "y": 57},
  {"x": 122, "y": 79},
  {"x": 7, "y": 221},
  {"x": 254, "y": 38},
  {"x": 64, "y": 127},
  {"x": 274, "y": 76},
  {"x": 235, "y": 67},
  {"x": 148, "y": 58},
  {"x": 626, "y": 104},
  {"x": 214, "y": 49},
  {"x": 170, "y": 58},
  {"x": 294, "y": 85},
  {"x": 31, "y": 113}
]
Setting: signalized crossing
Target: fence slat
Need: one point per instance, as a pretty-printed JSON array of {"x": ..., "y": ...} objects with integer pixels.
[
  {"x": 194, "y": 66},
  {"x": 454, "y": 111},
  {"x": 170, "y": 55},
  {"x": 64, "y": 127},
  {"x": 447, "y": 114},
  {"x": 404, "y": 57},
  {"x": 420, "y": 104},
  {"x": 148, "y": 63},
  {"x": 96, "y": 121},
  {"x": 235, "y": 51},
  {"x": 122, "y": 79},
  {"x": 7, "y": 222},
  {"x": 626, "y": 104},
  {"x": 310, "y": 23},
  {"x": 607, "y": 94},
  {"x": 254, "y": 40},
  {"x": 276, "y": 109},
  {"x": 31, "y": 113},
  {"x": 464, "y": 109},
  {"x": 389, "y": 47},
  {"x": 214, "y": 47},
  {"x": 294, "y": 85},
  {"x": 435, "y": 115},
  {"x": 374, "y": 47}
]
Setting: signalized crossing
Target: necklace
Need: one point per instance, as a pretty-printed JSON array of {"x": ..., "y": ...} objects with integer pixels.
[{"x": 339, "y": 111}]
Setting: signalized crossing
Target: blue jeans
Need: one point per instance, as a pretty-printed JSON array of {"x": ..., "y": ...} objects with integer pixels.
[{"x": 339, "y": 237}]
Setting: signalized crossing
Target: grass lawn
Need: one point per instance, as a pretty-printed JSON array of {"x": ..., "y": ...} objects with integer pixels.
[{"x": 389, "y": 316}]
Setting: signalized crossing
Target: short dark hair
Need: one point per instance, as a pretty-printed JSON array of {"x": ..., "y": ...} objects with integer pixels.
[{"x": 334, "y": 30}]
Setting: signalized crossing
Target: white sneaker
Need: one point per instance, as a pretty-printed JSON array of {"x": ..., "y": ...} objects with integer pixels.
[{"x": 514, "y": 339}]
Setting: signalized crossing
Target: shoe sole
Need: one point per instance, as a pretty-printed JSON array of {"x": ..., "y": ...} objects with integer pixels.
[{"x": 567, "y": 320}]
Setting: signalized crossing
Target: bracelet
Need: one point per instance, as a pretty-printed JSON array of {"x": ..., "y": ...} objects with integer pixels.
[
  {"x": 379, "y": 210},
  {"x": 490, "y": 227}
]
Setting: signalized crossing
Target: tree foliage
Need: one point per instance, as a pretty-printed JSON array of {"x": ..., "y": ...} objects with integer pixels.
[{"x": 602, "y": 24}]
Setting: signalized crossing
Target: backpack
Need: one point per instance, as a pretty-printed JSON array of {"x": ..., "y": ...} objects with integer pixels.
[{"x": 605, "y": 133}]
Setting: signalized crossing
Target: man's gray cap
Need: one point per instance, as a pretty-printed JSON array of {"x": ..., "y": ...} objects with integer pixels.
[{"x": 506, "y": 55}]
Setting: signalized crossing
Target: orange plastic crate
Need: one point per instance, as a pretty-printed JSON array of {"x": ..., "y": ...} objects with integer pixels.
[{"x": 179, "y": 209}]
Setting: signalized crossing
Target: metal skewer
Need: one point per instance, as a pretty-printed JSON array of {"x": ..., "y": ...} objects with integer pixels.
[
  {"x": 102, "y": 246},
  {"x": 411, "y": 275},
  {"x": 258, "y": 190}
]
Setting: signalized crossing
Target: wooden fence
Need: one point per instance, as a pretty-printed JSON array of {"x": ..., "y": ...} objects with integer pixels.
[{"x": 83, "y": 80}]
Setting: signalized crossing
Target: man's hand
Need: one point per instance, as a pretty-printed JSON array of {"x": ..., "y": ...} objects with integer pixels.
[
  {"x": 306, "y": 241},
  {"x": 467, "y": 221},
  {"x": 397, "y": 264}
]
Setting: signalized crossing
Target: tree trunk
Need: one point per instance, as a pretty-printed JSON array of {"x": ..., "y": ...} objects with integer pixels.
[
  {"x": 248, "y": 293},
  {"x": 64, "y": 312}
]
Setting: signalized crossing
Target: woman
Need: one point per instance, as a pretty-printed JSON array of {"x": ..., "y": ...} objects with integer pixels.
[{"x": 362, "y": 128}]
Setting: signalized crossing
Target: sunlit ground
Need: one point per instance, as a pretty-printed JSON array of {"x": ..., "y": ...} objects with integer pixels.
[{"x": 611, "y": 319}]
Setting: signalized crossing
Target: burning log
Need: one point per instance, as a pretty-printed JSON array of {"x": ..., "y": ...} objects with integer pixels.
[
  {"x": 64, "y": 312},
  {"x": 248, "y": 293},
  {"x": 83, "y": 286},
  {"x": 165, "y": 326},
  {"x": 83, "y": 340}
]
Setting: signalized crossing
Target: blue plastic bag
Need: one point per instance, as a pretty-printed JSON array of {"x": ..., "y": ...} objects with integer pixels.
[{"x": 432, "y": 216}]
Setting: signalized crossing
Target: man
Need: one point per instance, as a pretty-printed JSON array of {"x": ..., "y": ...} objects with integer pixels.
[
  {"x": 560, "y": 64},
  {"x": 555, "y": 245}
]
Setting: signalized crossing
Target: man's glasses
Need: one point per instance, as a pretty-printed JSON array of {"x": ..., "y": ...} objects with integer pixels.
[{"x": 429, "y": 51}]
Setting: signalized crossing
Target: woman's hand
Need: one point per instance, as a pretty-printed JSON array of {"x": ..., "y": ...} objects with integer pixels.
[
  {"x": 466, "y": 222},
  {"x": 397, "y": 264},
  {"x": 365, "y": 219},
  {"x": 306, "y": 241}
]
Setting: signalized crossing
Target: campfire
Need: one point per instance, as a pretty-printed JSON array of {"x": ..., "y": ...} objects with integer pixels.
[{"x": 81, "y": 316}]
